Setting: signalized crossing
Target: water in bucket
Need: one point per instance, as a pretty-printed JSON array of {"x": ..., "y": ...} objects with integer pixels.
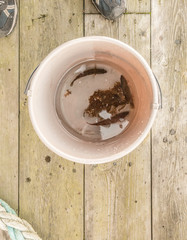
[{"x": 94, "y": 101}]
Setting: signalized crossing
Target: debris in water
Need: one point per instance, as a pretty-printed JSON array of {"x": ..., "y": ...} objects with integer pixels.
[
  {"x": 68, "y": 92},
  {"x": 113, "y": 119},
  {"x": 108, "y": 100}
]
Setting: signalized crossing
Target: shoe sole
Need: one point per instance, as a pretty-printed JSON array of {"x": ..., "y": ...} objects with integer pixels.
[
  {"x": 14, "y": 20},
  {"x": 108, "y": 18}
]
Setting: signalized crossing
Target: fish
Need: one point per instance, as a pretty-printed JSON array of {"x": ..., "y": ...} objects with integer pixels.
[
  {"x": 111, "y": 120},
  {"x": 126, "y": 91},
  {"x": 89, "y": 72}
]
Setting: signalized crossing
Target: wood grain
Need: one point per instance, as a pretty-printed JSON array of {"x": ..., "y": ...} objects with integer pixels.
[
  {"x": 169, "y": 61},
  {"x": 4, "y": 235},
  {"x": 51, "y": 188},
  {"x": 9, "y": 112},
  {"x": 138, "y": 6},
  {"x": 117, "y": 195},
  {"x": 95, "y": 24},
  {"x": 134, "y": 29},
  {"x": 133, "y": 6}
]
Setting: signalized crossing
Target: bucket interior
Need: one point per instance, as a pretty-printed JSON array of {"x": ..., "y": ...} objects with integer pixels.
[{"x": 44, "y": 86}]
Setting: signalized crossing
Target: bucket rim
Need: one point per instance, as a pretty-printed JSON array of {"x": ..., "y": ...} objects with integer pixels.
[{"x": 113, "y": 157}]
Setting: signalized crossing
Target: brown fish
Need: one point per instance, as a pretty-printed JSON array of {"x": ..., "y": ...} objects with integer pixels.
[
  {"x": 126, "y": 91},
  {"x": 89, "y": 72},
  {"x": 113, "y": 119}
]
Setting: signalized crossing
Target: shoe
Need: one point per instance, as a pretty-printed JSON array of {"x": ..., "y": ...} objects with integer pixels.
[
  {"x": 8, "y": 16},
  {"x": 110, "y": 9}
]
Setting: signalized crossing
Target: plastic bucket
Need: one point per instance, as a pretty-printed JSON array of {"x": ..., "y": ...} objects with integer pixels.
[{"x": 42, "y": 87}]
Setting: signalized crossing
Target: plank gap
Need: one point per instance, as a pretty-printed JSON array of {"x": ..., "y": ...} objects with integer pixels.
[
  {"x": 151, "y": 143},
  {"x": 19, "y": 108},
  {"x": 84, "y": 205},
  {"x": 125, "y": 13},
  {"x": 84, "y": 18},
  {"x": 151, "y": 180}
]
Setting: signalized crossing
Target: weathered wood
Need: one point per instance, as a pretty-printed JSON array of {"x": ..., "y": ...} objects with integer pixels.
[
  {"x": 4, "y": 235},
  {"x": 89, "y": 7},
  {"x": 9, "y": 118},
  {"x": 117, "y": 195},
  {"x": 135, "y": 6},
  {"x": 51, "y": 188},
  {"x": 134, "y": 29},
  {"x": 138, "y": 6},
  {"x": 169, "y": 61},
  {"x": 95, "y": 24}
]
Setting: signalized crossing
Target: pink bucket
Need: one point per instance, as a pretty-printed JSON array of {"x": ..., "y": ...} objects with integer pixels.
[{"x": 42, "y": 87}]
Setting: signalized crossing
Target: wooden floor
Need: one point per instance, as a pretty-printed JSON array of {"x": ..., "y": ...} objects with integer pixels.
[{"x": 142, "y": 196}]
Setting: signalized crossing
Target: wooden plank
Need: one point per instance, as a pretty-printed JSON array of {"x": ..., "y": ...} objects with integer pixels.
[
  {"x": 135, "y": 6},
  {"x": 51, "y": 188},
  {"x": 117, "y": 195},
  {"x": 169, "y": 61},
  {"x": 9, "y": 118},
  {"x": 4, "y": 235},
  {"x": 138, "y": 6},
  {"x": 95, "y": 24},
  {"x": 89, "y": 7},
  {"x": 134, "y": 30}
]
